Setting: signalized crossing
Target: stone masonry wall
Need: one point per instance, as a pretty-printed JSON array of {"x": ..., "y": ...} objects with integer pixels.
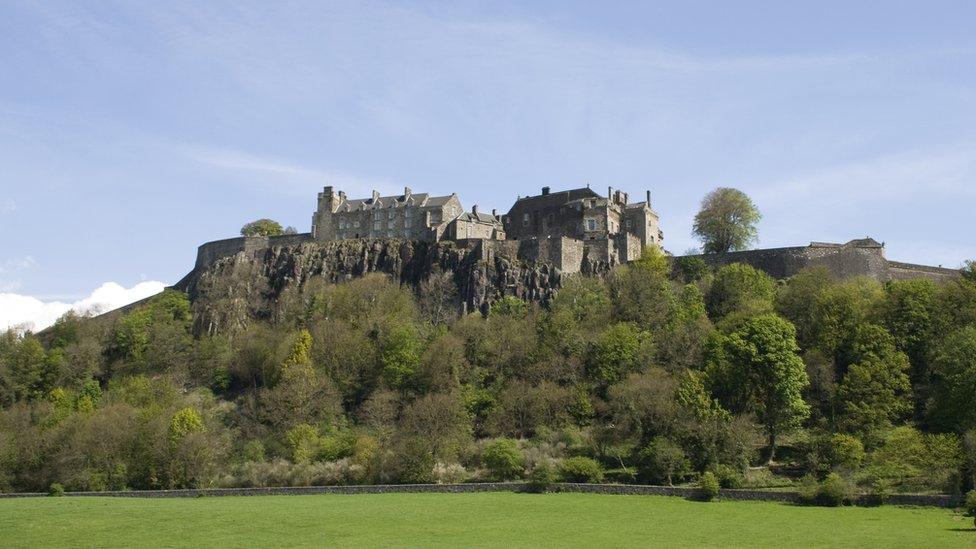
[
  {"x": 947, "y": 501},
  {"x": 843, "y": 261}
]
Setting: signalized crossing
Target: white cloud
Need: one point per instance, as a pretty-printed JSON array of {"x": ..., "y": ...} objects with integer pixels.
[
  {"x": 282, "y": 171},
  {"x": 7, "y": 206},
  {"x": 27, "y": 312}
]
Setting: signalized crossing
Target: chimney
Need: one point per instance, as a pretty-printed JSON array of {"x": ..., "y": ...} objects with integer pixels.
[
  {"x": 406, "y": 193},
  {"x": 376, "y": 195},
  {"x": 545, "y": 191},
  {"x": 648, "y": 199},
  {"x": 494, "y": 213},
  {"x": 474, "y": 210},
  {"x": 610, "y": 194}
]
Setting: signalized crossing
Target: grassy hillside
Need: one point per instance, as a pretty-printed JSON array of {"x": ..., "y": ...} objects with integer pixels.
[{"x": 495, "y": 519}]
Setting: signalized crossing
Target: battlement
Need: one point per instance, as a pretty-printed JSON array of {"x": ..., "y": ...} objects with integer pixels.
[{"x": 859, "y": 257}]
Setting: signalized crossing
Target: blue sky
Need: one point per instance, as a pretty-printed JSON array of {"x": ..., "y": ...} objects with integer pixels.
[{"x": 131, "y": 132}]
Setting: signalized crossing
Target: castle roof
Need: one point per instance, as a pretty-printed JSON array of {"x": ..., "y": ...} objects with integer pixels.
[
  {"x": 415, "y": 199},
  {"x": 479, "y": 217}
]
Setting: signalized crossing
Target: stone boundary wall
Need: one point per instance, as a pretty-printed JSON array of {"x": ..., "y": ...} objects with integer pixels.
[
  {"x": 842, "y": 260},
  {"x": 210, "y": 252},
  {"x": 903, "y": 271},
  {"x": 921, "y": 500}
]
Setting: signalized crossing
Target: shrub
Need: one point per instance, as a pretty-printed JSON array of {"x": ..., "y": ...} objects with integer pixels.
[
  {"x": 56, "y": 490},
  {"x": 449, "y": 473},
  {"x": 728, "y": 476},
  {"x": 581, "y": 469},
  {"x": 708, "y": 484},
  {"x": 833, "y": 491},
  {"x": 807, "y": 490},
  {"x": 503, "y": 459},
  {"x": 971, "y": 503},
  {"x": 662, "y": 461},
  {"x": 542, "y": 476}
]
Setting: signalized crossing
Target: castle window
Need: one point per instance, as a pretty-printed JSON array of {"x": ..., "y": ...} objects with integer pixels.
[
  {"x": 525, "y": 220},
  {"x": 630, "y": 223},
  {"x": 377, "y": 225},
  {"x": 407, "y": 223},
  {"x": 408, "y": 212},
  {"x": 392, "y": 213},
  {"x": 551, "y": 219},
  {"x": 391, "y": 224},
  {"x": 591, "y": 224},
  {"x": 356, "y": 224}
]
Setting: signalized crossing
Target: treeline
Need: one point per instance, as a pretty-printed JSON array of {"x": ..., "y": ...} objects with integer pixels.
[{"x": 656, "y": 374}]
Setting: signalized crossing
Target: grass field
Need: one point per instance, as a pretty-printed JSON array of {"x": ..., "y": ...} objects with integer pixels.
[{"x": 486, "y": 519}]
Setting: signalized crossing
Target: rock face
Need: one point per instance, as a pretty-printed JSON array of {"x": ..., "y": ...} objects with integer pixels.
[{"x": 249, "y": 283}]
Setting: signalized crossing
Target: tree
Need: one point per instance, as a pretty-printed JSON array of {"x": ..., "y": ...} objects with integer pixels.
[
  {"x": 739, "y": 287},
  {"x": 763, "y": 353},
  {"x": 953, "y": 404},
  {"x": 875, "y": 390},
  {"x": 503, "y": 459},
  {"x": 641, "y": 292},
  {"x": 662, "y": 461},
  {"x": 615, "y": 353},
  {"x": 727, "y": 221},
  {"x": 262, "y": 227}
]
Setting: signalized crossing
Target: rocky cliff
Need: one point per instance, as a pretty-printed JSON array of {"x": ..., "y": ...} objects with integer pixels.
[{"x": 250, "y": 282}]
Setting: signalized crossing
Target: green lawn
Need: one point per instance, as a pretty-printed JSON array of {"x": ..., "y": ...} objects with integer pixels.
[{"x": 487, "y": 519}]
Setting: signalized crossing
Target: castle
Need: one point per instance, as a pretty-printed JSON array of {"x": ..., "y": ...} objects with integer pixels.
[
  {"x": 527, "y": 249},
  {"x": 579, "y": 223}
]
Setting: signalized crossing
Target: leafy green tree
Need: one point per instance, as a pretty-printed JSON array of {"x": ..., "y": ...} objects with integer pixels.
[
  {"x": 400, "y": 350},
  {"x": 726, "y": 221},
  {"x": 303, "y": 441},
  {"x": 581, "y": 469},
  {"x": 875, "y": 390},
  {"x": 503, "y": 459},
  {"x": 763, "y": 352},
  {"x": 739, "y": 287},
  {"x": 185, "y": 422},
  {"x": 615, "y": 353},
  {"x": 641, "y": 292},
  {"x": 662, "y": 461},
  {"x": 32, "y": 372},
  {"x": 262, "y": 227},
  {"x": 839, "y": 309},
  {"x": 953, "y": 404},
  {"x": 908, "y": 311},
  {"x": 510, "y": 306},
  {"x": 795, "y": 301}
]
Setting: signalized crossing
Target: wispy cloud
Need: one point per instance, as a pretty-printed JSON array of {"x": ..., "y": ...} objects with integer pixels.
[
  {"x": 282, "y": 172},
  {"x": 9, "y": 270},
  {"x": 23, "y": 312},
  {"x": 946, "y": 172},
  {"x": 7, "y": 206}
]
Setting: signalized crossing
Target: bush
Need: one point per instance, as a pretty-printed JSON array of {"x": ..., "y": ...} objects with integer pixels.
[
  {"x": 807, "y": 490},
  {"x": 971, "y": 503},
  {"x": 503, "y": 459},
  {"x": 833, "y": 491},
  {"x": 662, "y": 461},
  {"x": 581, "y": 469},
  {"x": 56, "y": 490},
  {"x": 708, "y": 484},
  {"x": 728, "y": 476},
  {"x": 542, "y": 476}
]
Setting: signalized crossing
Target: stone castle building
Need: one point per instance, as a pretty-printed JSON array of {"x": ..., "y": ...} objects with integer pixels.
[{"x": 579, "y": 223}]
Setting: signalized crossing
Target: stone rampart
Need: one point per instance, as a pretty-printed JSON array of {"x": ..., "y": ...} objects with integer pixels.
[
  {"x": 209, "y": 253},
  {"x": 856, "y": 258}
]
